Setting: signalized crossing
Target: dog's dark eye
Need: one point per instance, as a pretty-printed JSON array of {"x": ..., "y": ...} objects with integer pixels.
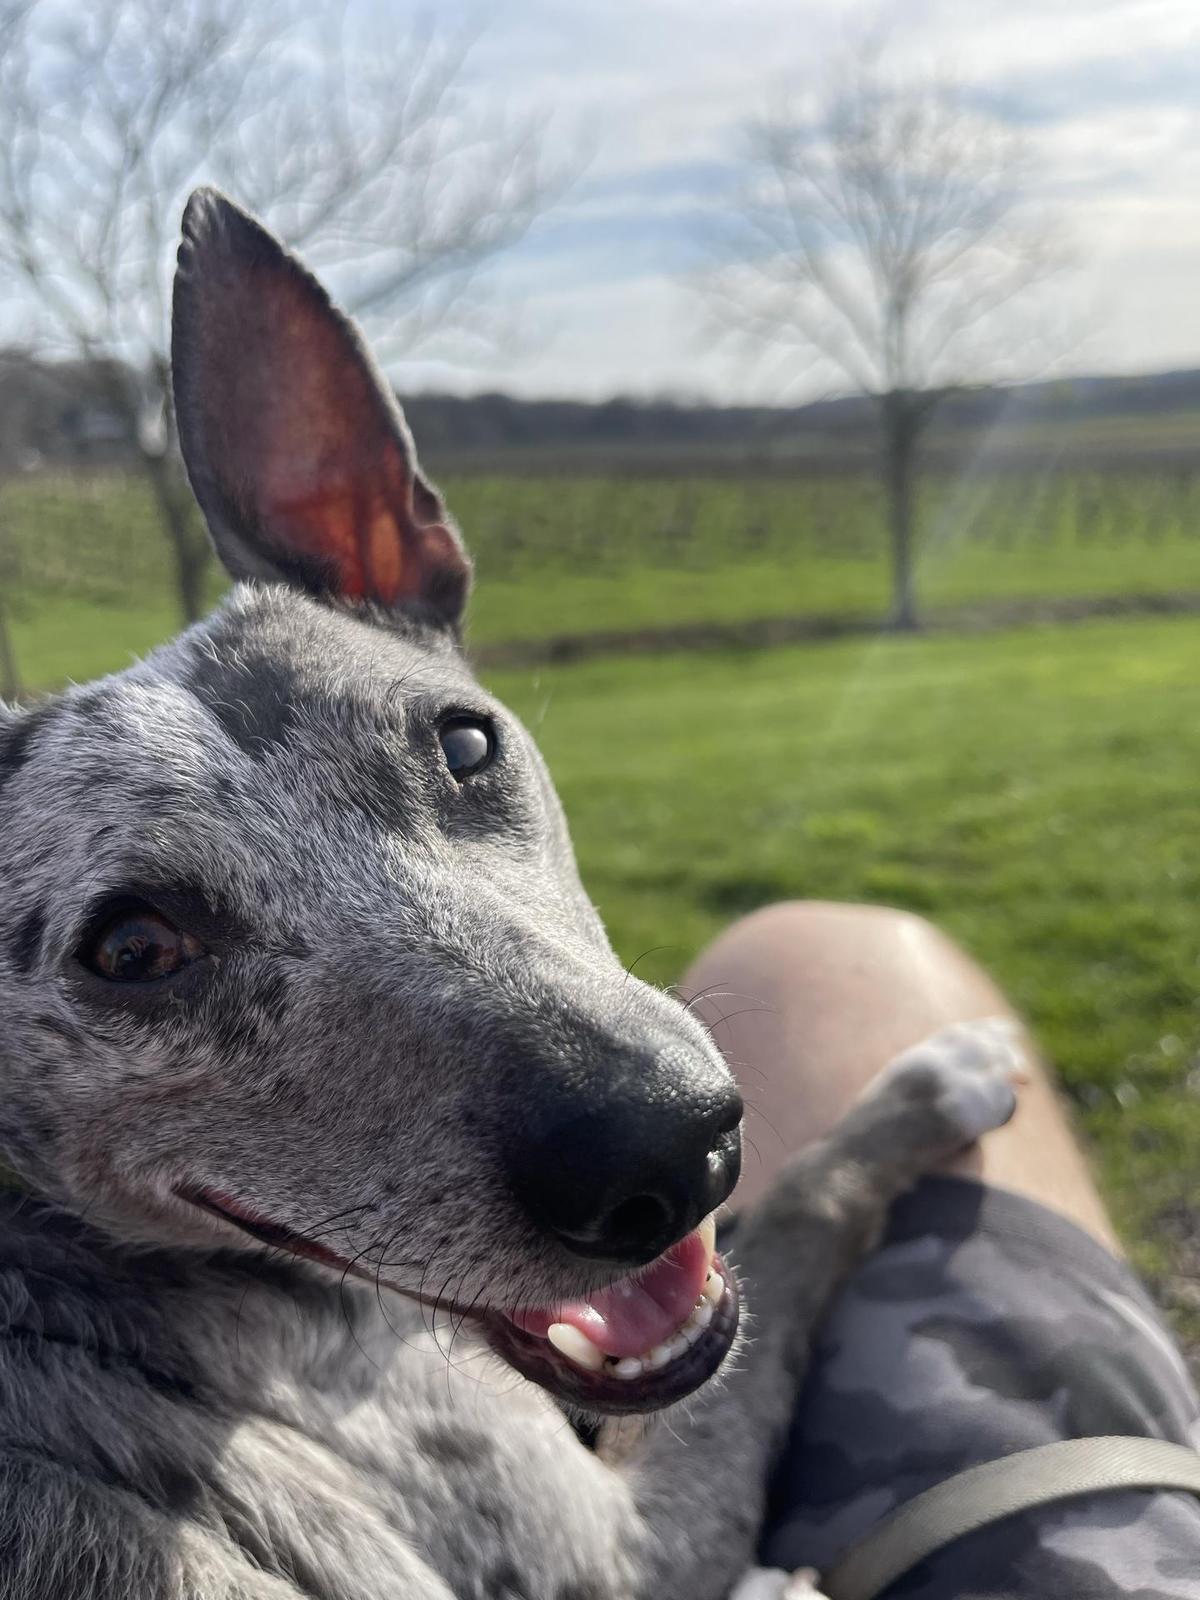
[
  {"x": 137, "y": 944},
  {"x": 468, "y": 744}
]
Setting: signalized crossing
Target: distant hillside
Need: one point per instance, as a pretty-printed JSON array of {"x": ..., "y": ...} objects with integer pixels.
[
  {"x": 1158, "y": 413},
  {"x": 500, "y": 420},
  {"x": 55, "y": 414}
]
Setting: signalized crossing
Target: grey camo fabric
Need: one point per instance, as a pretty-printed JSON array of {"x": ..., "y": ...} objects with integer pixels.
[{"x": 984, "y": 1325}]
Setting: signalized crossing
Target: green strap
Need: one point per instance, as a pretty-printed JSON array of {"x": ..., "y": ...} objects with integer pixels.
[{"x": 997, "y": 1489}]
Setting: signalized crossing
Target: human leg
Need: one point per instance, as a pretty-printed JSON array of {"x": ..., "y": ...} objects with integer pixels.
[
  {"x": 808, "y": 1000},
  {"x": 994, "y": 1316}
]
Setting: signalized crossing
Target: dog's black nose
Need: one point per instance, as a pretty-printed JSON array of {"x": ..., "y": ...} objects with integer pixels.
[{"x": 620, "y": 1174}]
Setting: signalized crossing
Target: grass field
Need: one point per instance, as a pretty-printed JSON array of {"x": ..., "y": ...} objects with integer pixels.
[
  {"x": 571, "y": 556},
  {"x": 1034, "y": 791}
]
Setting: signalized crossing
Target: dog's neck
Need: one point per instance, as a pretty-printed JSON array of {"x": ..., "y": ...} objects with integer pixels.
[{"x": 222, "y": 1323}]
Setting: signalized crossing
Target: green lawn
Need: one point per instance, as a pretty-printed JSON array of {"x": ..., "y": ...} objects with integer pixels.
[
  {"x": 1034, "y": 792},
  {"x": 577, "y": 555}
]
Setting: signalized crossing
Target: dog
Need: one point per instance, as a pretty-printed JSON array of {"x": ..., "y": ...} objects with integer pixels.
[{"x": 346, "y": 1163}]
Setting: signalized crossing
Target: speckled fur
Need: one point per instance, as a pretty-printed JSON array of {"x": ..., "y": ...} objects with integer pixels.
[{"x": 185, "y": 1417}]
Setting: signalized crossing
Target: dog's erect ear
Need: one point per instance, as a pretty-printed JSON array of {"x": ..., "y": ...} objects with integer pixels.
[{"x": 295, "y": 447}]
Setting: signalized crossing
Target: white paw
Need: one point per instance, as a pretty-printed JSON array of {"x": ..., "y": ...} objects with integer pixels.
[
  {"x": 769, "y": 1583},
  {"x": 802, "y": 1585},
  {"x": 761, "y": 1583},
  {"x": 975, "y": 1069}
]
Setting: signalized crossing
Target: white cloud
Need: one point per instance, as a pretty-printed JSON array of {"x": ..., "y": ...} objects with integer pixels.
[
  {"x": 658, "y": 89},
  {"x": 1105, "y": 93}
]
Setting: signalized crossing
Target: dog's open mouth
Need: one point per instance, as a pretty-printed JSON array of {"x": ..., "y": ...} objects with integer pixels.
[
  {"x": 637, "y": 1345},
  {"x": 642, "y": 1343}
]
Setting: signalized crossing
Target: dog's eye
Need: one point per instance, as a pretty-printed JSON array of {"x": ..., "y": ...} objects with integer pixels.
[
  {"x": 135, "y": 943},
  {"x": 468, "y": 744}
]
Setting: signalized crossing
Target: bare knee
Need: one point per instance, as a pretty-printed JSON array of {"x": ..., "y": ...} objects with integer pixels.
[
  {"x": 794, "y": 950},
  {"x": 809, "y": 999},
  {"x": 795, "y": 922}
]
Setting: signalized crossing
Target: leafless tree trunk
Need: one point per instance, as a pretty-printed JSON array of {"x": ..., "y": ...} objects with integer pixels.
[
  {"x": 158, "y": 457},
  {"x": 356, "y": 140},
  {"x": 12, "y": 14},
  {"x": 10, "y": 678},
  {"x": 183, "y": 530},
  {"x": 879, "y": 235},
  {"x": 899, "y": 458}
]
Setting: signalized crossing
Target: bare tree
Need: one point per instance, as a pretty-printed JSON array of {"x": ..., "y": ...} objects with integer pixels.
[
  {"x": 10, "y": 677},
  {"x": 881, "y": 231},
  {"x": 12, "y": 14},
  {"x": 363, "y": 149}
]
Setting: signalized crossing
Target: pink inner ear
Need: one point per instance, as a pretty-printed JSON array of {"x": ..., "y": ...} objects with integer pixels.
[
  {"x": 360, "y": 526},
  {"x": 324, "y": 465}
]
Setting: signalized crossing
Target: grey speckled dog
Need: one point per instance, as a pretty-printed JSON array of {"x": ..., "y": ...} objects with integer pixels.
[{"x": 338, "y": 1132}]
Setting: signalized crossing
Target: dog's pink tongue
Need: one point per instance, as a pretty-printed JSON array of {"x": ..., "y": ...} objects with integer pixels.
[{"x": 634, "y": 1315}]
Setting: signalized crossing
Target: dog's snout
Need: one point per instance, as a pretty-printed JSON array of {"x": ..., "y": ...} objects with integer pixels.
[{"x": 620, "y": 1176}]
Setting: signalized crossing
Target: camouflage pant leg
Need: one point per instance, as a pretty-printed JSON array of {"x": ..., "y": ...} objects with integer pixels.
[{"x": 986, "y": 1324}]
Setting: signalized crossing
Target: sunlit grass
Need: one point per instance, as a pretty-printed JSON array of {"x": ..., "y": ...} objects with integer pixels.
[
  {"x": 1033, "y": 792},
  {"x": 572, "y": 556}
]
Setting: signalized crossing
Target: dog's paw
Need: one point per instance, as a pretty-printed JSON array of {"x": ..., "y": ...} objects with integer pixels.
[
  {"x": 769, "y": 1583},
  {"x": 970, "y": 1072},
  {"x": 761, "y": 1583}
]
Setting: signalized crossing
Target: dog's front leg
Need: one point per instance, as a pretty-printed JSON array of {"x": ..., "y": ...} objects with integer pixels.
[{"x": 699, "y": 1480}]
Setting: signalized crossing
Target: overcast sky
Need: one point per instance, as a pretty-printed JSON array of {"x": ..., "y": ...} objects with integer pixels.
[{"x": 1107, "y": 92}]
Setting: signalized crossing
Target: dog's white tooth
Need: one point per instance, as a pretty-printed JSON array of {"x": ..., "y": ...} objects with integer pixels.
[
  {"x": 708, "y": 1232},
  {"x": 658, "y": 1357},
  {"x": 576, "y": 1346},
  {"x": 678, "y": 1346},
  {"x": 702, "y": 1315},
  {"x": 629, "y": 1367},
  {"x": 714, "y": 1289},
  {"x": 690, "y": 1334}
]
